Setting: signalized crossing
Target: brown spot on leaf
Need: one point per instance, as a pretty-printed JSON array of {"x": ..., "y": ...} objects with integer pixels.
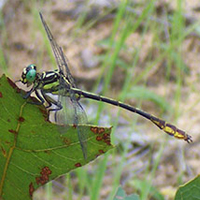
[
  {"x": 105, "y": 136},
  {"x": 8, "y": 120},
  {"x": 108, "y": 142},
  {"x": 1, "y": 95},
  {"x": 31, "y": 189},
  {"x": 97, "y": 130},
  {"x": 12, "y": 131},
  {"x": 66, "y": 140},
  {"x": 106, "y": 139},
  {"x": 78, "y": 165},
  {"x": 21, "y": 119},
  {"x": 98, "y": 138},
  {"x": 46, "y": 170},
  {"x": 37, "y": 180},
  {"x": 101, "y": 151},
  {"x": 44, "y": 178},
  {"x": 101, "y": 130},
  {"x": 94, "y": 129}
]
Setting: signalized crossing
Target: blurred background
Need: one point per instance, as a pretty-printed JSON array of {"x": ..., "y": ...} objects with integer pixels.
[{"x": 144, "y": 53}]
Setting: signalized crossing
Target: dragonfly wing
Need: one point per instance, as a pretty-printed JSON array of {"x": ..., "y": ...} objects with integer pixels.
[
  {"x": 58, "y": 53},
  {"x": 74, "y": 114},
  {"x": 65, "y": 116},
  {"x": 71, "y": 113},
  {"x": 80, "y": 118}
]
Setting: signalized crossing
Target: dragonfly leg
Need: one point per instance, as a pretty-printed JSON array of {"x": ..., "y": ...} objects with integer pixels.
[
  {"x": 51, "y": 102},
  {"x": 47, "y": 99},
  {"x": 38, "y": 96},
  {"x": 28, "y": 94},
  {"x": 59, "y": 107}
]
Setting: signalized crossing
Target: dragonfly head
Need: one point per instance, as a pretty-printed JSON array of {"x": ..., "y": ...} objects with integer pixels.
[{"x": 29, "y": 75}]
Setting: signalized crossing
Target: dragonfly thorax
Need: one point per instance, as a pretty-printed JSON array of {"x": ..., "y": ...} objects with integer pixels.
[
  {"x": 49, "y": 81},
  {"x": 49, "y": 77}
]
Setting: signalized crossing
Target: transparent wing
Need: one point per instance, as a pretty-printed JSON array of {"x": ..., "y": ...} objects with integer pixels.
[
  {"x": 60, "y": 58},
  {"x": 72, "y": 112},
  {"x": 80, "y": 118}
]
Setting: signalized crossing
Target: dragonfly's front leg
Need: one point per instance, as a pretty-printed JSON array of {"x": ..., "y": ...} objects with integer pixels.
[
  {"x": 28, "y": 94},
  {"x": 51, "y": 102}
]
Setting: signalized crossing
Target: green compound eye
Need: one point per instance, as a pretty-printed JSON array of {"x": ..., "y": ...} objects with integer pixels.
[{"x": 30, "y": 76}]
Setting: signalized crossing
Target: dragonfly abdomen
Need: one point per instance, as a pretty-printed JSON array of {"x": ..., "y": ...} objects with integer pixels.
[{"x": 163, "y": 125}]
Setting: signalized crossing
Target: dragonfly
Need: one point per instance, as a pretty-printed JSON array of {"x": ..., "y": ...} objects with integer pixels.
[{"x": 60, "y": 82}]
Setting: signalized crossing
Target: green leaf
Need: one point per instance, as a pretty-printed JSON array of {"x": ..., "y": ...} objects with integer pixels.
[
  {"x": 121, "y": 195},
  {"x": 190, "y": 190},
  {"x": 32, "y": 151}
]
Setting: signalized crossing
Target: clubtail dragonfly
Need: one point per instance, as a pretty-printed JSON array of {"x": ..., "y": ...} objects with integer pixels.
[{"x": 60, "y": 82}]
